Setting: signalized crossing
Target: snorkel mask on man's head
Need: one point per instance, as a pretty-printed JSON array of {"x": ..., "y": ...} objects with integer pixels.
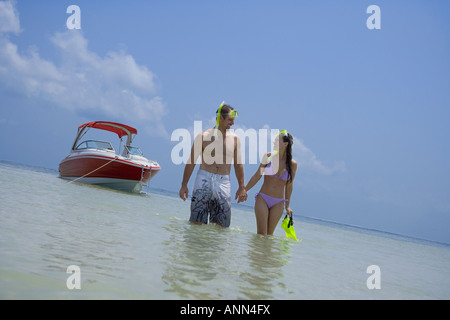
[{"x": 231, "y": 113}]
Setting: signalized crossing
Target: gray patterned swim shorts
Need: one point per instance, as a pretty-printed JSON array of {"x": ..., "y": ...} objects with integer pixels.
[{"x": 211, "y": 198}]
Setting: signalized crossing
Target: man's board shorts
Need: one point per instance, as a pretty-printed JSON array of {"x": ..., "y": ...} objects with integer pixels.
[{"x": 211, "y": 198}]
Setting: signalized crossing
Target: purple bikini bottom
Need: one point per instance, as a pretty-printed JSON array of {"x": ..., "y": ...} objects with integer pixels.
[{"x": 270, "y": 201}]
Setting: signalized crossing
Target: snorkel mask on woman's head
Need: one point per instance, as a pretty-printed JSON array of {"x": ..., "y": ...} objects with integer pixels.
[{"x": 283, "y": 133}]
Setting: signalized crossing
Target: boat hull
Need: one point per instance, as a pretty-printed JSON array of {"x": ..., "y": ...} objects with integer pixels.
[{"x": 111, "y": 172}]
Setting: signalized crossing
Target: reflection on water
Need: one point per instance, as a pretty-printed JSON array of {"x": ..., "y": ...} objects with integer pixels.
[
  {"x": 210, "y": 262},
  {"x": 266, "y": 258},
  {"x": 194, "y": 256}
]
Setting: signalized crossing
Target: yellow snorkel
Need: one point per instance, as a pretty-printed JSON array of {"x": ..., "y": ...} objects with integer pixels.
[{"x": 218, "y": 118}]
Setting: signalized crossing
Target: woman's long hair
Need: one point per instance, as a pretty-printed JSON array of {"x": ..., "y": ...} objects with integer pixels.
[{"x": 290, "y": 140}]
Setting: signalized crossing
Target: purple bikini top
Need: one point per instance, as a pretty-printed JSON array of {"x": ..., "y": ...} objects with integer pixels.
[{"x": 268, "y": 170}]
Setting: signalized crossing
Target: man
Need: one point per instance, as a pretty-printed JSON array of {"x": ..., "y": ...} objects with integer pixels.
[{"x": 217, "y": 147}]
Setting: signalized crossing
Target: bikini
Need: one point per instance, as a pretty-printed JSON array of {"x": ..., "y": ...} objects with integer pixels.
[{"x": 271, "y": 201}]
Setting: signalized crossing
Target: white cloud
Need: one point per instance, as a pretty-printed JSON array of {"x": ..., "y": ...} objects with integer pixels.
[
  {"x": 9, "y": 18},
  {"x": 308, "y": 160},
  {"x": 113, "y": 85}
]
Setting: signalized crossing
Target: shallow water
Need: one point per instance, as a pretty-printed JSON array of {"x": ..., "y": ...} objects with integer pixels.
[{"x": 142, "y": 247}]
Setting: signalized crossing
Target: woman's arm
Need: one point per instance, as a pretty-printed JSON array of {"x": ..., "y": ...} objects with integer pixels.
[
  {"x": 258, "y": 174},
  {"x": 254, "y": 179}
]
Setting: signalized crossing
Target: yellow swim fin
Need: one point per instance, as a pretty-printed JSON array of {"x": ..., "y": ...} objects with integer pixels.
[{"x": 288, "y": 226}]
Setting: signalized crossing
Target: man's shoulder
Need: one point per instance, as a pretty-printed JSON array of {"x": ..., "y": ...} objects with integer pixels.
[
  {"x": 205, "y": 133},
  {"x": 232, "y": 135}
]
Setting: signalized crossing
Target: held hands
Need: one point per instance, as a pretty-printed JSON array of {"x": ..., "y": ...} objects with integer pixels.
[{"x": 241, "y": 194}]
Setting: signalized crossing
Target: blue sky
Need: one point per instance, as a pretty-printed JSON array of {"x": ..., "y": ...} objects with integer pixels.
[{"x": 369, "y": 109}]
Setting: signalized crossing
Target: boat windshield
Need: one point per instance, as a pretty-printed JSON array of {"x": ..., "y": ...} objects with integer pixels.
[
  {"x": 134, "y": 151},
  {"x": 94, "y": 144}
]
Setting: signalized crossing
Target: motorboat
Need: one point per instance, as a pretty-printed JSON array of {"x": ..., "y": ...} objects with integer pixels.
[{"x": 96, "y": 162}]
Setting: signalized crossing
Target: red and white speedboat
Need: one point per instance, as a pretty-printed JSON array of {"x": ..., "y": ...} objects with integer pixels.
[{"x": 96, "y": 162}]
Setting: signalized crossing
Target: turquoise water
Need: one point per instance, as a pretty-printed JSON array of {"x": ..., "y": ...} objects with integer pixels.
[{"x": 142, "y": 247}]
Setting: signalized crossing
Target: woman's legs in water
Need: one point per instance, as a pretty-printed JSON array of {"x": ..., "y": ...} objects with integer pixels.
[
  {"x": 267, "y": 219},
  {"x": 275, "y": 214},
  {"x": 261, "y": 214}
]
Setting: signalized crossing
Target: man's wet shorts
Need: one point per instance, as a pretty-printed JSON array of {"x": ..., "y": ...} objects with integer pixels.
[{"x": 211, "y": 198}]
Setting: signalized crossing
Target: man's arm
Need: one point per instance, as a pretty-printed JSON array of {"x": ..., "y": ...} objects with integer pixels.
[
  {"x": 196, "y": 151},
  {"x": 239, "y": 171}
]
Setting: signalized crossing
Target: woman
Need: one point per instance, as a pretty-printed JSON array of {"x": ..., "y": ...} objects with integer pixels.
[{"x": 275, "y": 194}]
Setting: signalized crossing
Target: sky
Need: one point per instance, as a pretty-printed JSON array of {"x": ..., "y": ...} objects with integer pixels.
[{"x": 368, "y": 108}]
